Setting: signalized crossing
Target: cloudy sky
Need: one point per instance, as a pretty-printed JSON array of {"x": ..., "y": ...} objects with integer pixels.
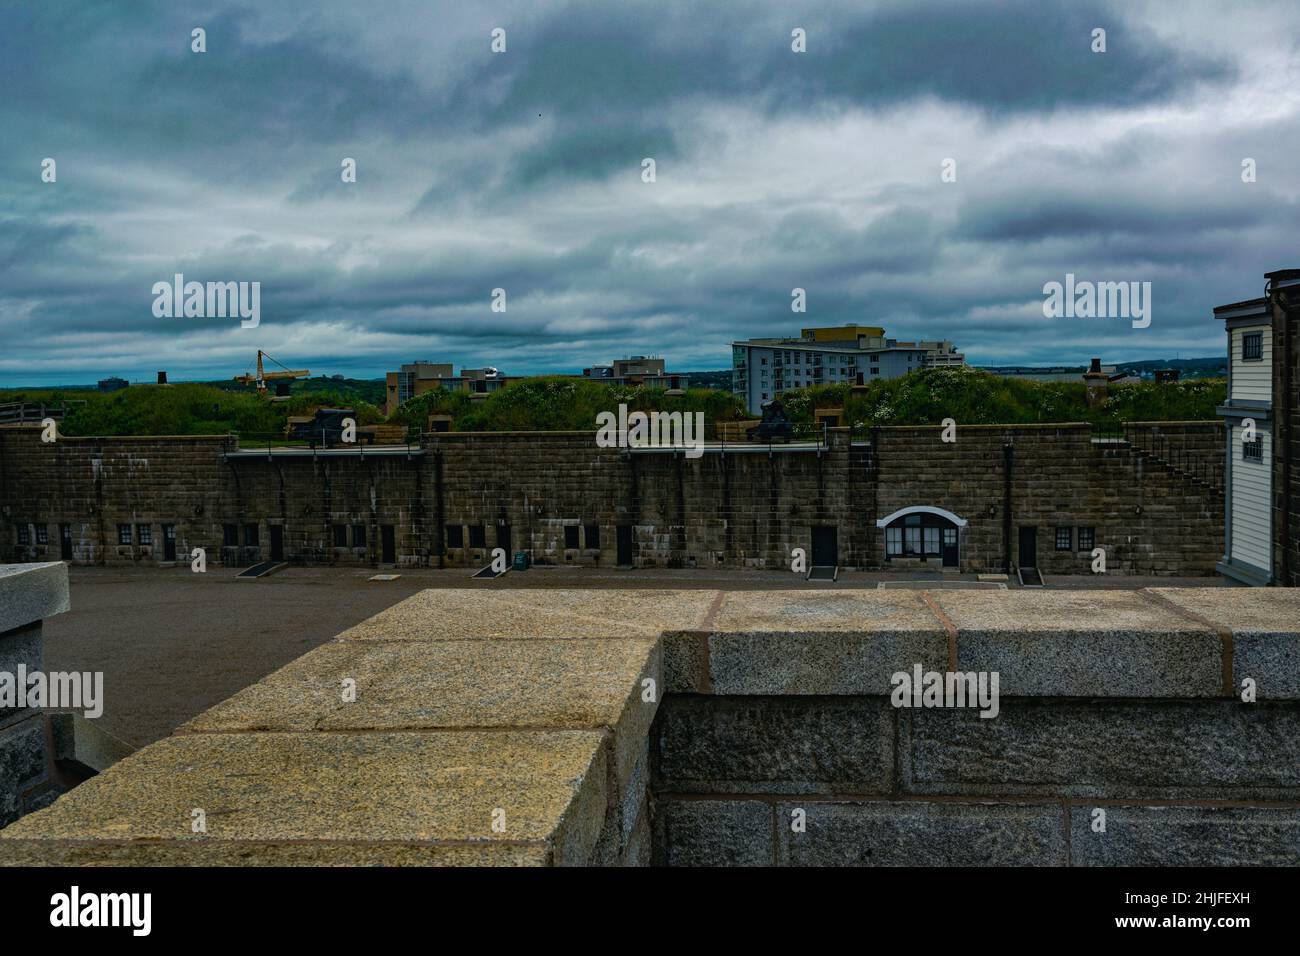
[{"x": 522, "y": 170}]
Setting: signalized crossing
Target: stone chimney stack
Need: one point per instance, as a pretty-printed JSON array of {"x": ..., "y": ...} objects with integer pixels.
[{"x": 1096, "y": 381}]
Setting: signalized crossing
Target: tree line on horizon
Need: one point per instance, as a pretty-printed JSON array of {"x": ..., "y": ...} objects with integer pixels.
[{"x": 552, "y": 403}]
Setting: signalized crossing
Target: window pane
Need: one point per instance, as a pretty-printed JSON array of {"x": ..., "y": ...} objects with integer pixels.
[
  {"x": 931, "y": 540},
  {"x": 913, "y": 539},
  {"x": 893, "y": 540}
]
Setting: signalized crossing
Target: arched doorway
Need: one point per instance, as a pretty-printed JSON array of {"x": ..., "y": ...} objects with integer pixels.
[{"x": 923, "y": 532}]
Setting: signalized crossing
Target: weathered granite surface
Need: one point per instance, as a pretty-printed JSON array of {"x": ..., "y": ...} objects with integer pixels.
[
  {"x": 31, "y": 593},
  {"x": 550, "y": 707}
]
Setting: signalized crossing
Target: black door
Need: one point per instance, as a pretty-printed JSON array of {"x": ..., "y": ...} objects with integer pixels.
[
  {"x": 169, "y": 542},
  {"x": 625, "y": 546},
  {"x": 1028, "y": 547},
  {"x": 949, "y": 547},
  {"x": 503, "y": 538},
  {"x": 277, "y": 542},
  {"x": 389, "y": 542},
  {"x": 825, "y": 546},
  {"x": 65, "y": 542}
]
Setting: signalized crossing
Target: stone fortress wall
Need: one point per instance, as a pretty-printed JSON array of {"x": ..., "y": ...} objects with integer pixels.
[{"x": 451, "y": 501}]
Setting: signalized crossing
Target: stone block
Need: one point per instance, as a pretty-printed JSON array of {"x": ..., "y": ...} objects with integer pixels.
[
  {"x": 922, "y": 834},
  {"x": 31, "y": 592},
  {"x": 1265, "y": 627},
  {"x": 22, "y": 763},
  {"x": 394, "y": 787},
  {"x": 712, "y": 833},
  {"x": 1083, "y": 644},
  {"x": 1186, "y": 836},
  {"x": 1206, "y": 749},
  {"x": 773, "y": 745}
]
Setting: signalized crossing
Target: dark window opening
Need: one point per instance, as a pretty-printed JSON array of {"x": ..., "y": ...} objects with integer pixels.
[
  {"x": 477, "y": 536},
  {"x": 455, "y": 536},
  {"x": 1087, "y": 539},
  {"x": 571, "y": 536},
  {"x": 1064, "y": 539},
  {"x": 592, "y": 533},
  {"x": 250, "y": 535},
  {"x": 230, "y": 535},
  {"x": 340, "y": 536},
  {"x": 921, "y": 536},
  {"x": 24, "y": 534},
  {"x": 1253, "y": 450},
  {"x": 145, "y": 533},
  {"x": 124, "y": 534},
  {"x": 1252, "y": 346},
  {"x": 358, "y": 536},
  {"x": 42, "y": 534}
]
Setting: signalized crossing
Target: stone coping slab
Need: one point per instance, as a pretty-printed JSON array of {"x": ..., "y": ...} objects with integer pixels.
[
  {"x": 467, "y": 614},
  {"x": 452, "y": 685},
  {"x": 405, "y": 788},
  {"x": 1084, "y": 644},
  {"x": 531, "y": 702},
  {"x": 32, "y": 592},
  {"x": 212, "y": 852}
]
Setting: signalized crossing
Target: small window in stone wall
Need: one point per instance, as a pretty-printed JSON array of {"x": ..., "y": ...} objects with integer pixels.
[
  {"x": 230, "y": 535},
  {"x": 358, "y": 536},
  {"x": 124, "y": 534},
  {"x": 1087, "y": 539},
  {"x": 144, "y": 532},
  {"x": 42, "y": 534},
  {"x": 477, "y": 537},
  {"x": 24, "y": 534},
  {"x": 1064, "y": 539},
  {"x": 250, "y": 535},
  {"x": 455, "y": 536},
  {"x": 340, "y": 536},
  {"x": 571, "y": 536},
  {"x": 592, "y": 533}
]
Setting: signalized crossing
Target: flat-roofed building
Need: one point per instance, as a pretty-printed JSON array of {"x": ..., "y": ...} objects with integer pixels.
[
  {"x": 763, "y": 369},
  {"x": 637, "y": 370}
]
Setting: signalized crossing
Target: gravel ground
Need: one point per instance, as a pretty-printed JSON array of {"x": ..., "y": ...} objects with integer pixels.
[{"x": 172, "y": 643}]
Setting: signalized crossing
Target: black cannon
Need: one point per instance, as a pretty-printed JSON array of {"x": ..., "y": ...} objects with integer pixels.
[{"x": 773, "y": 426}]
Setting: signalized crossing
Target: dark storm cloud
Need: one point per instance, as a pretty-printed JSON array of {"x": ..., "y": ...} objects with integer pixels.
[{"x": 522, "y": 171}]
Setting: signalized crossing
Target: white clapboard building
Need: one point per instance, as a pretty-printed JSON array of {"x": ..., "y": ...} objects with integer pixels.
[{"x": 1248, "y": 512}]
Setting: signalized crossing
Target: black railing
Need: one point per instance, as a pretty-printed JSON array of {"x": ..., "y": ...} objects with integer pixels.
[
  {"x": 321, "y": 439},
  {"x": 1175, "y": 451}
]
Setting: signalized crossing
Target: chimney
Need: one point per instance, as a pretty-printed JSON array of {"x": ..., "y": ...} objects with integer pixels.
[{"x": 1095, "y": 380}]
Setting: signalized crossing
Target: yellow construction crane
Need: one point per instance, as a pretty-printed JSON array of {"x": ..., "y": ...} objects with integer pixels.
[{"x": 261, "y": 378}]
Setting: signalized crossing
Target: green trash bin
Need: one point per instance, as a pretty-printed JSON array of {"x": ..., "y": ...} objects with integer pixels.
[{"x": 521, "y": 560}]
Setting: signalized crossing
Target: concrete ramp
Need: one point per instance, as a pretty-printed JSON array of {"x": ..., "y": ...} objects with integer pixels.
[
  {"x": 823, "y": 573},
  {"x": 261, "y": 570}
]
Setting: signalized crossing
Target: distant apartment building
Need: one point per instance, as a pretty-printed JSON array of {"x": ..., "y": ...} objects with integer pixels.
[
  {"x": 413, "y": 380},
  {"x": 763, "y": 369},
  {"x": 637, "y": 370},
  {"x": 1262, "y": 485}
]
